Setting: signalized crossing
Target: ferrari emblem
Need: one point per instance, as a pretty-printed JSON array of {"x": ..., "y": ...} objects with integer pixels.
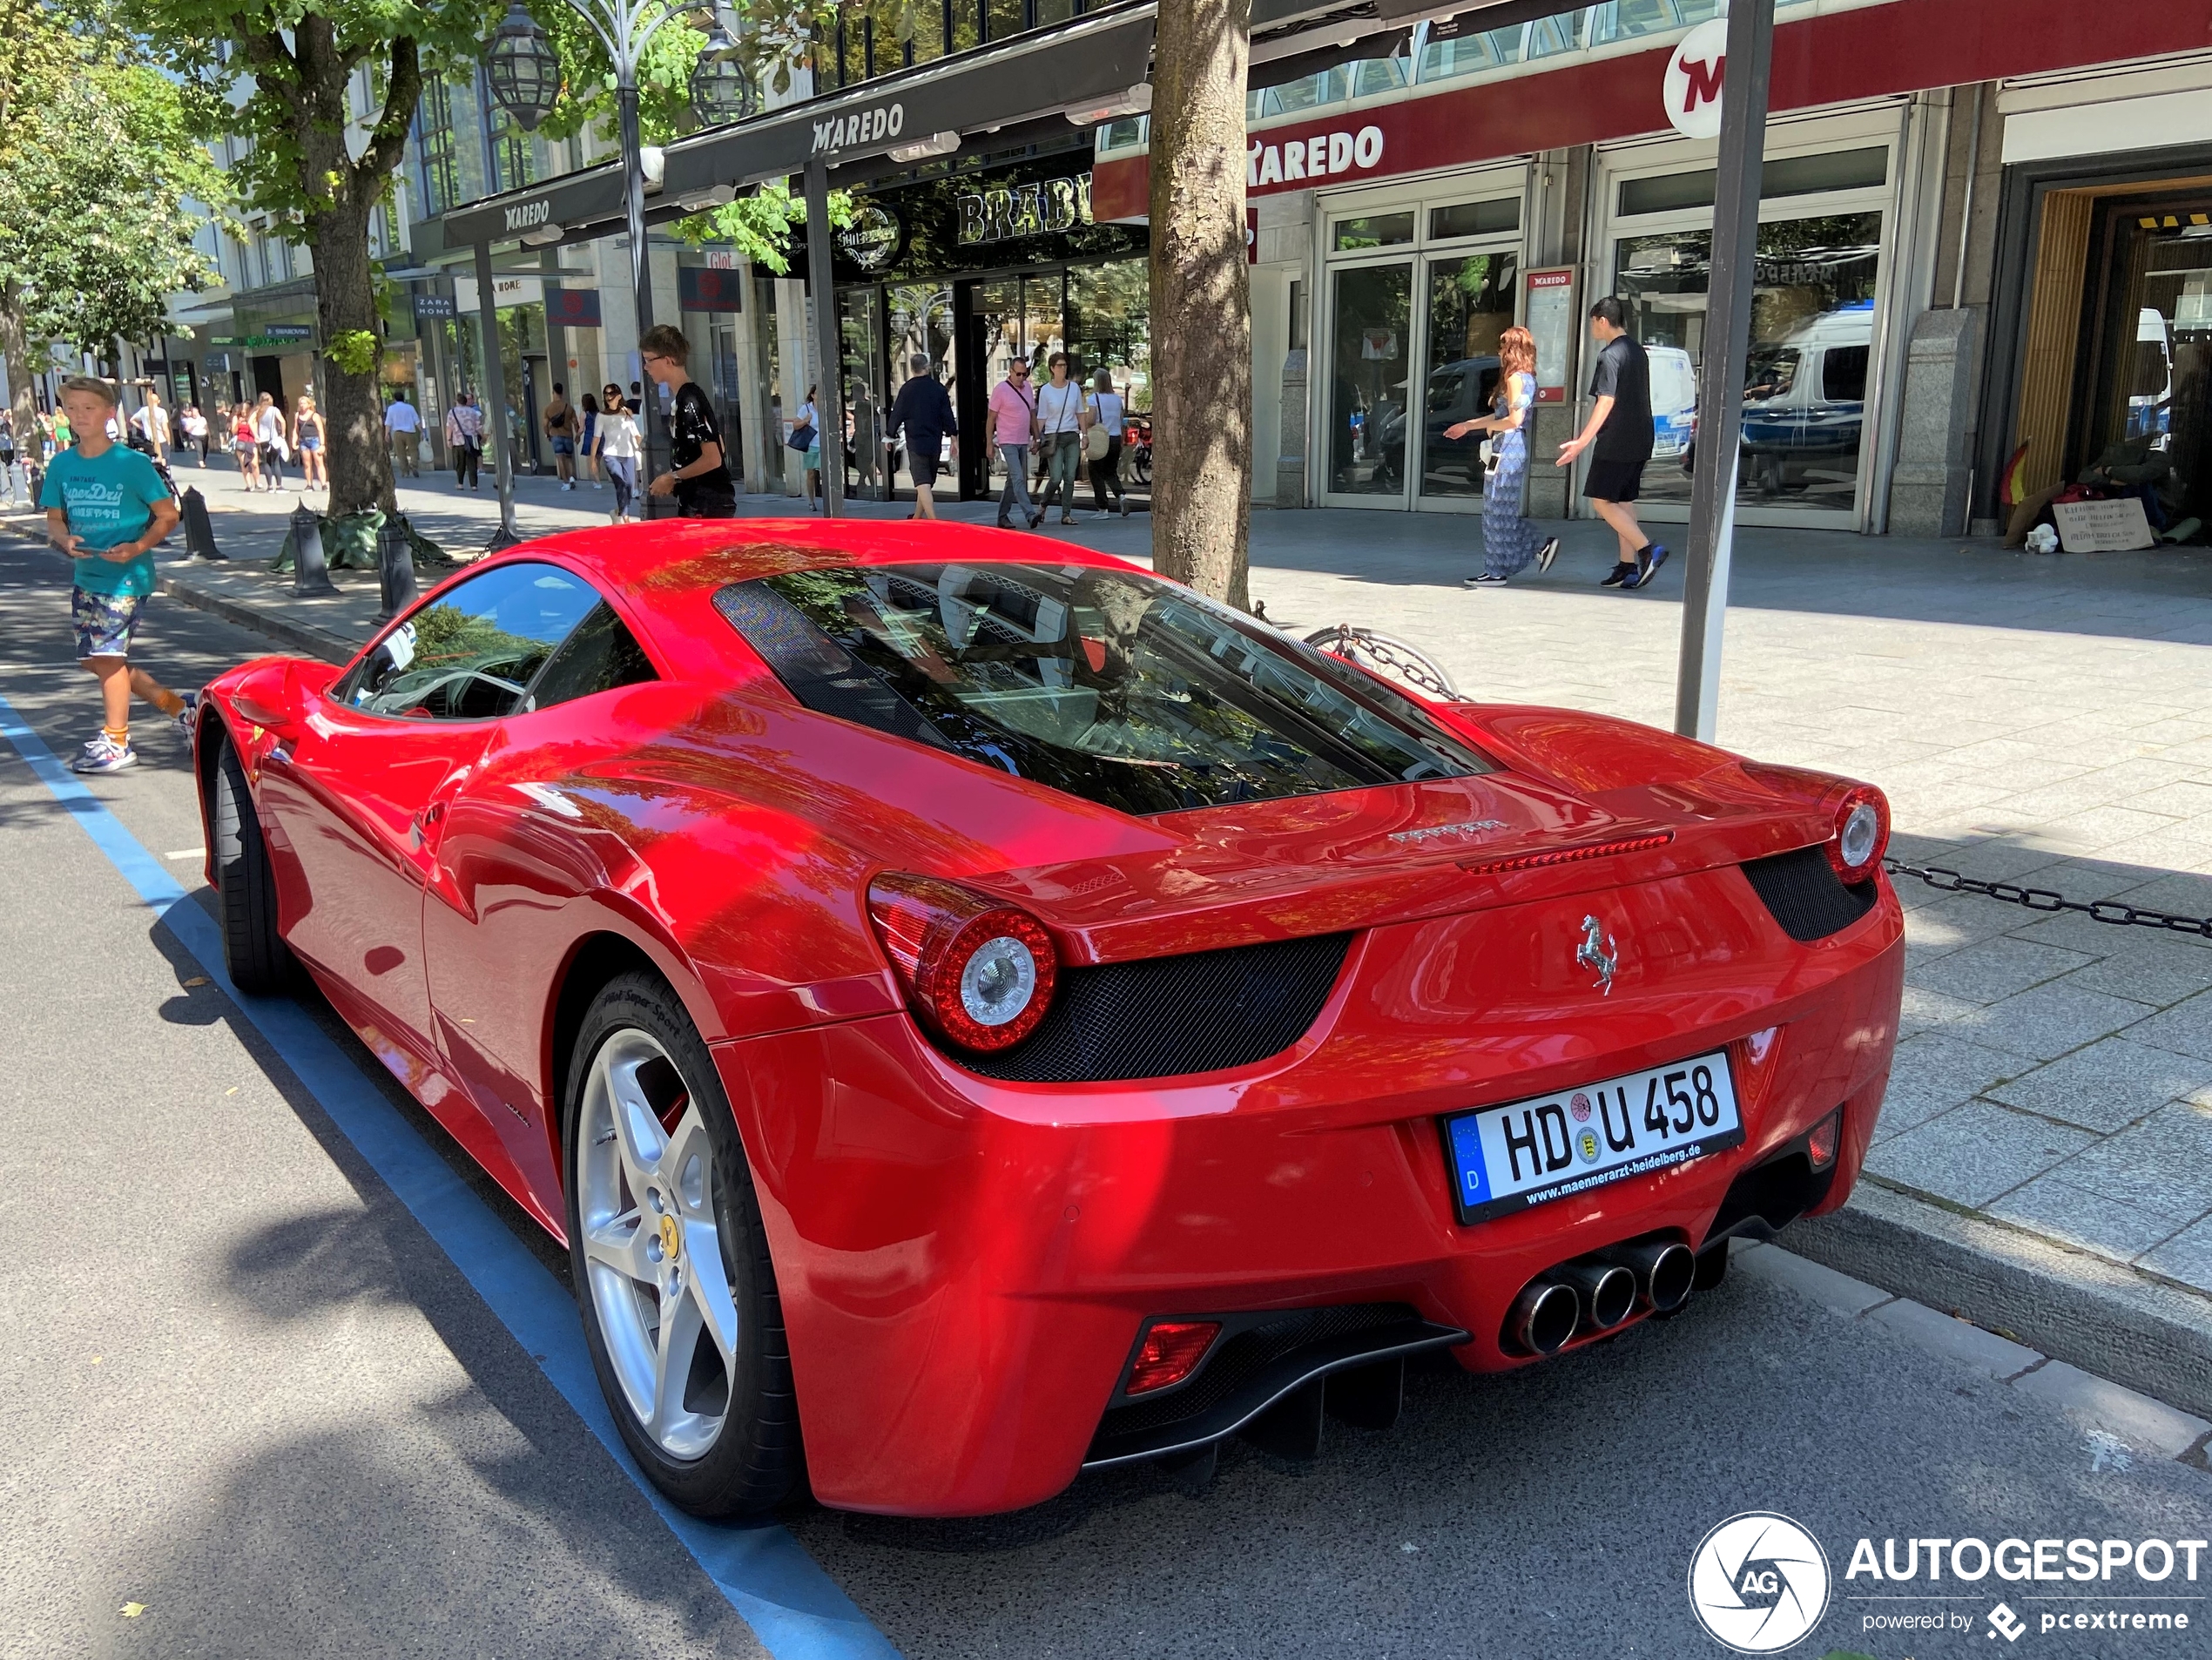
[
  {"x": 1598, "y": 952},
  {"x": 672, "y": 1236}
]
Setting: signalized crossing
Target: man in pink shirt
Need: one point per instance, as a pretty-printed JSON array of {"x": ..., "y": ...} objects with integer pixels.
[{"x": 1014, "y": 414}]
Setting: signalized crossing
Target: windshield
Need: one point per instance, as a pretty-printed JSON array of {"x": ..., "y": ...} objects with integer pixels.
[{"x": 1107, "y": 684}]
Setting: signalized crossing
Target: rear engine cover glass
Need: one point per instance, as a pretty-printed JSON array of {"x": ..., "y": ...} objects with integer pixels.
[{"x": 1109, "y": 685}]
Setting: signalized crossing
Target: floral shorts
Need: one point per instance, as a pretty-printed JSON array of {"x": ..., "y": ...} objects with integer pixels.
[{"x": 104, "y": 622}]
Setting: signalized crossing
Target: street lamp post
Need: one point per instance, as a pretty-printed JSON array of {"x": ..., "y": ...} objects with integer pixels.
[{"x": 516, "y": 63}]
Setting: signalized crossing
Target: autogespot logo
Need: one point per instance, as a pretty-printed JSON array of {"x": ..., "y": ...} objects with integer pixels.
[{"x": 1759, "y": 1583}]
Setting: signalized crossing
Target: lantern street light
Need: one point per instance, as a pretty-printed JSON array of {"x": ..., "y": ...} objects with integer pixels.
[
  {"x": 525, "y": 76},
  {"x": 721, "y": 89}
]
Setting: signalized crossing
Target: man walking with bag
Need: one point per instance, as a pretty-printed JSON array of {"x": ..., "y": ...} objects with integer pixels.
[
  {"x": 924, "y": 415},
  {"x": 465, "y": 440},
  {"x": 1013, "y": 416}
]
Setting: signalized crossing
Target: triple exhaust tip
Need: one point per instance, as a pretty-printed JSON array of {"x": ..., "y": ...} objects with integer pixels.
[{"x": 1596, "y": 1293}]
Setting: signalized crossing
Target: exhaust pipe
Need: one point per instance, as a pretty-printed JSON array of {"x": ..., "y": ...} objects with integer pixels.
[
  {"x": 1608, "y": 1291},
  {"x": 1544, "y": 1316},
  {"x": 1665, "y": 1272}
]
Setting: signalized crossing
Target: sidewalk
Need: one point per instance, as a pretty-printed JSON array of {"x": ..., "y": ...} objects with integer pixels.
[{"x": 2045, "y": 1157}]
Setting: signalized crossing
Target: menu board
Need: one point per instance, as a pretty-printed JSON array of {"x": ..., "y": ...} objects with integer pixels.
[{"x": 1550, "y": 312}]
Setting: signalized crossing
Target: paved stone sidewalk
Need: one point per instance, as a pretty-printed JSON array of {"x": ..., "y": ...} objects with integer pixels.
[{"x": 2042, "y": 720}]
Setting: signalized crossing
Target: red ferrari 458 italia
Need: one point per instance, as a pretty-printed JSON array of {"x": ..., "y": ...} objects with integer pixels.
[{"x": 977, "y": 1012}]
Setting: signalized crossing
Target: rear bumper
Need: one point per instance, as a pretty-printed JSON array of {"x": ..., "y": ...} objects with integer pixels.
[{"x": 966, "y": 1265}]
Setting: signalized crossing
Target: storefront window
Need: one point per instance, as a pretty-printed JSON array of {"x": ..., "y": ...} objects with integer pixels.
[
  {"x": 1367, "y": 383},
  {"x": 1805, "y": 377},
  {"x": 1374, "y": 231},
  {"x": 2149, "y": 387},
  {"x": 1109, "y": 326}
]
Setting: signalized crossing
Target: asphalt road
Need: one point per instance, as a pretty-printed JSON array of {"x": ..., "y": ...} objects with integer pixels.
[{"x": 248, "y": 1392}]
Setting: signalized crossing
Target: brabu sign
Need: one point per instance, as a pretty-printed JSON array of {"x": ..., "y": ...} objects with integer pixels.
[{"x": 1024, "y": 210}]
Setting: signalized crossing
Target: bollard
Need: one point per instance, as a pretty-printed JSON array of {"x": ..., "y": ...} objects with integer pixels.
[
  {"x": 310, "y": 570},
  {"x": 200, "y": 531},
  {"x": 396, "y": 574}
]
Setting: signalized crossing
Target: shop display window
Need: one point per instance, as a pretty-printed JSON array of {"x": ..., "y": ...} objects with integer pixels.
[{"x": 2146, "y": 417}]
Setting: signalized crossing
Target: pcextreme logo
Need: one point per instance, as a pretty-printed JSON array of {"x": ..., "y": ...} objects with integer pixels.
[{"x": 1759, "y": 1583}]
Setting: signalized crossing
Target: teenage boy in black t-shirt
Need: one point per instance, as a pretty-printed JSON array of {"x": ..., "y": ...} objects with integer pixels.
[
  {"x": 698, "y": 477},
  {"x": 1620, "y": 428}
]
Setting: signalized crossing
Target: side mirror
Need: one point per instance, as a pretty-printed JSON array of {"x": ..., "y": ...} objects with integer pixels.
[{"x": 268, "y": 696}]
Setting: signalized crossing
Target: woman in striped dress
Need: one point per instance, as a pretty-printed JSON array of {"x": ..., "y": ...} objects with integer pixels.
[{"x": 1509, "y": 541}]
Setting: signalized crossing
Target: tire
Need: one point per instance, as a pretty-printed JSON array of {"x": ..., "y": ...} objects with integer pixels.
[
  {"x": 714, "y": 1424},
  {"x": 255, "y": 953}
]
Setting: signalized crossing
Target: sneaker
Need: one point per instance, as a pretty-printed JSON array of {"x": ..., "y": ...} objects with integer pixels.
[
  {"x": 1484, "y": 579},
  {"x": 186, "y": 715},
  {"x": 1619, "y": 575},
  {"x": 1125, "y": 506},
  {"x": 1067, "y": 518},
  {"x": 1648, "y": 563},
  {"x": 1006, "y": 524},
  {"x": 1035, "y": 519},
  {"x": 1546, "y": 554},
  {"x": 103, "y": 755}
]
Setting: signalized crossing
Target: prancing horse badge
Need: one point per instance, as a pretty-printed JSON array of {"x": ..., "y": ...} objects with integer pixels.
[{"x": 1597, "y": 951}]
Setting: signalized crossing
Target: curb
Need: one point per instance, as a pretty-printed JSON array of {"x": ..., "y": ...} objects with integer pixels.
[{"x": 2100, "y": 1316}]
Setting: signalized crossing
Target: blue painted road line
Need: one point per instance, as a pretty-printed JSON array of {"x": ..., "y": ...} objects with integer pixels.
[{"x": 798, "y": 1611}]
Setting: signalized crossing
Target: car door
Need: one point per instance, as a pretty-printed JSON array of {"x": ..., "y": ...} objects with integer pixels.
[
  {"x": 520, "y": 846},
  {"x": 360, "y": 790}
]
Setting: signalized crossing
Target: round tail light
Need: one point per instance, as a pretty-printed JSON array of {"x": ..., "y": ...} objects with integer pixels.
[
  {"x": 1862, "y": 834},
  {"x": 977, "y": 971}
]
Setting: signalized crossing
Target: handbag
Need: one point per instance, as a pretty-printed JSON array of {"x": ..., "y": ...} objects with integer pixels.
[
  {"x": 802, "y": 438},
  {"x": 1097, "y": 441}
]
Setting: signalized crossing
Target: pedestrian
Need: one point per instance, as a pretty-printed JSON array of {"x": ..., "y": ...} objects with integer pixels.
[
  {"x": 559, "y": 422},
  {"x": 1105, "y": 421},
  {"x": 107, "y": 507},
  {"x": 924, "y": 415},
  {"x": 8, "y": 458},
  {"x": 807, "y": 420},
  {"x": 1509, "y": 541},
  {"x": 244, "y": 447},
  {"x": 268, "y": 434},
  {"x": 195, "y": 428},
  {"x": 465, "y": 440},
  {"x": 307, "y": 431},
  {"x": 403, "y": 431},
  {"x": 150, "y": 424},
  {"x": 615, "y": 442},
  {"x": 587, "y": 453},
  {"x": 698, "y": 477},
  {"x": 1618, "y": 436},
  {"x": 1013, "y": 414},
  {"x": 1060, "y": 417}
]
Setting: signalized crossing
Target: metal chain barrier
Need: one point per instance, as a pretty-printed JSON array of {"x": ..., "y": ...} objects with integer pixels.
[{"x": 2042, "y": 899}]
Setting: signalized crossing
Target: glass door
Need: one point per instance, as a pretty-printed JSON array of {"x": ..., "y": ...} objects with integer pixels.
[
  {"x": 862, "y": 361},
  {"x": 2144, "y": 414},
  {"x": 1470, "y": 304},
  {"x": 919, "y": 323},
  {"x": 1371, "y": 351},
  {"x": 1017, "y": 319}
]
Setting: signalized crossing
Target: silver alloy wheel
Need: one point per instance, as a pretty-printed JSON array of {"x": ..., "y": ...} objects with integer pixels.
[{"x": 652, "y": 1244}]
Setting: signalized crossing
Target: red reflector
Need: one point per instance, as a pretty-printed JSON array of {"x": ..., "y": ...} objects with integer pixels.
[
  {"x": 1171, "y": 1351},
  {"x": 1567, "y": 855},
  {"x": 1820, "y": 1146}
]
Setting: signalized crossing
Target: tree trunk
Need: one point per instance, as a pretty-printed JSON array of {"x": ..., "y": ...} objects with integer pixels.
[
  {"x": 15, "y": 352},
  {"x": 1202, "y": 316},
  {"x": 356, "y": 453}
]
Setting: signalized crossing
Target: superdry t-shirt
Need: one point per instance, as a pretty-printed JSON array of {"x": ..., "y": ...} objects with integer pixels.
[{"x": 110, "y": 500}]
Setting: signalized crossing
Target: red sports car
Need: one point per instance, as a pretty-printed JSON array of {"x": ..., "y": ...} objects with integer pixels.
[{"x": 978, "y": 1012}]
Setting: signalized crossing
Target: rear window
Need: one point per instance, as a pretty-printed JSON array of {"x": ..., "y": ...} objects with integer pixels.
[{"x": 1107, "y": 684}]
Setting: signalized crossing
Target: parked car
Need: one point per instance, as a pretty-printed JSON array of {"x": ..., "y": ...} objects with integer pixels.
[
  {"x": 1456, "y": 391},
  {"x": 1805, "y": 398},
  {"x": 975, "y": 1019}
]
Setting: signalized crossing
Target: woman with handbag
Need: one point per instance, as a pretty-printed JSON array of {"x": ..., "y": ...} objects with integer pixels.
[
  {"x": 1509, "y": 541},
  {"x": 1060, "y": 420},
  {"x": 1104, "y": 418},
  {"x": 807, "y": 438}
]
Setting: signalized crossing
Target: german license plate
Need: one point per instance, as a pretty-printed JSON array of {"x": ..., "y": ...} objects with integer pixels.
[{"x": 1508, "y": 1158}]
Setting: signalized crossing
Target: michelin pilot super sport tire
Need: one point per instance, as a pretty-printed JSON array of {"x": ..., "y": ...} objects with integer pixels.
[
  {"x": 670, "y": 1259},
  {"x": 255, "y": 953}
]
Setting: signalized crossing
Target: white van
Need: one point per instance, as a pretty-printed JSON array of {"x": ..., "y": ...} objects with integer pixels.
[
  {"x": 1674, "y": 401},
  {"x": 1805, "y": 399}
]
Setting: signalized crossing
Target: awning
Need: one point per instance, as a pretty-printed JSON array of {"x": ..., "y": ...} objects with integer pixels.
[{"x": 1095, "y": 61}]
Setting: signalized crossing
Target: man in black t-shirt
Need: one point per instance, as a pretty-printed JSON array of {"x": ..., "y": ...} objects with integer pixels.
[
  {"x": 698, "y": 477},
  {"x": 924, "y": 415},
  {"x": 1618, "y": 435}
]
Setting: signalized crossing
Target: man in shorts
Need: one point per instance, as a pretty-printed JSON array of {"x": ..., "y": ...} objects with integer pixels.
[
  {"x": 924, "y": 415},
  {"x": 107, "y": 506},
  {"x": 1618, "y": 435},
  {"x": 698, "y": 477}
]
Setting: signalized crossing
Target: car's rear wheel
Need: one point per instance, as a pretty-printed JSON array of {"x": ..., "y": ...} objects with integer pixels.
[
  {"x": 255, "y": 953},
  {"x": 671, "y": 1261}
]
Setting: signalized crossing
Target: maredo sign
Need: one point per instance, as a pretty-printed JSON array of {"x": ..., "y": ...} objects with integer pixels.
[
  {"x": 1692, "y": 90},
  {"x": 1298, "y": 160}
]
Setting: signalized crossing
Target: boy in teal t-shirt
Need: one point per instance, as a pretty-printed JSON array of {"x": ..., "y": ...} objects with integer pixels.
[{"x": 106, "y": 505}]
